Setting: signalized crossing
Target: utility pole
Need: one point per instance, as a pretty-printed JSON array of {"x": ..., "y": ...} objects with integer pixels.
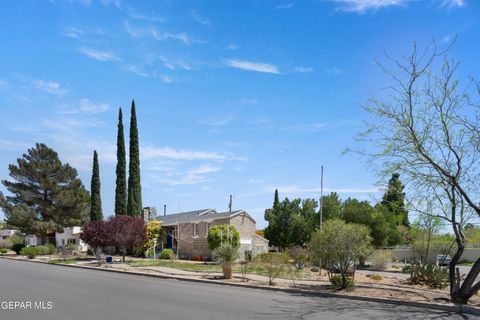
[
  {"x": 321, "y": 213},
  {"x": 321, "y": 199}
]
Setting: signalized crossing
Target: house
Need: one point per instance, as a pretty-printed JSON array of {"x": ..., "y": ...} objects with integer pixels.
[
  {"x": 5, "y": 235},
  {"x": 70, "y": 235},
  {"x": 187, "y": 232}
]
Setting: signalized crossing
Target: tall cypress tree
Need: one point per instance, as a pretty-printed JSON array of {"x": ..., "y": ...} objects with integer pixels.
[
  {"x": 95, "y": 198},
  {"x": 121, "y": 182},
  {"x": 134, "y": 204},
  {"x": 394, "y": 200}
]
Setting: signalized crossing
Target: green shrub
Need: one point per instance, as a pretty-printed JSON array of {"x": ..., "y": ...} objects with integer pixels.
[
  {"x": 7, "y": 244},
  {"x": 31, "y": 252},
  {"x": 17, "y": 247},
  {"x": 167, "y": 254},
  {"x": 51, "y": 248},
  {"x": 380, "y": 260},
  {"x": 271, "y": 264},
  {"x": 43, "y": 250},
  {"x": 3, "y": 250},
  {"x": 339, "y": 283},
  {"x": 427, "y": 274},
  {"x": 222, "y": 233}
]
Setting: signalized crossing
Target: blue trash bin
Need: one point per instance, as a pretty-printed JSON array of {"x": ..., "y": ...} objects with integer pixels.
[{"x": 108, "y": 260}]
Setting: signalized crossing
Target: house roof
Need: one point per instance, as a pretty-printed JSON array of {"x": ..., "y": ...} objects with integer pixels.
[{"x": 199, "y": 215}]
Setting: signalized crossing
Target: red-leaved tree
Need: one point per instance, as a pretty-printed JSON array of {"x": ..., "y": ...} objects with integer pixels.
[
  {"x": 127, "y": 233},
  {"x": 97, "y": 235}
]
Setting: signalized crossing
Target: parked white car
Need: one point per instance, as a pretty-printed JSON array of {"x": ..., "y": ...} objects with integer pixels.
[{"x": 443, "y": 259}]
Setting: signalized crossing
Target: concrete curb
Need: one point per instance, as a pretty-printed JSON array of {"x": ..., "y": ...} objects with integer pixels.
[{"x": 441, "y": 307}]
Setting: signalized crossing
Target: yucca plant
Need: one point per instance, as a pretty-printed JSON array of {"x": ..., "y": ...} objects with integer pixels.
[{"x": 225, "y": 255}]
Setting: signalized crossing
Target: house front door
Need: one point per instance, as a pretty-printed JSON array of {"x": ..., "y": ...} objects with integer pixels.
[{"x": 169, "y": 239}]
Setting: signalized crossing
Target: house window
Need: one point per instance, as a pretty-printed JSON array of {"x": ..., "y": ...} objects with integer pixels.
[
  {"x": 207, "y": 227},
  {"x": 195, "y": 230}
]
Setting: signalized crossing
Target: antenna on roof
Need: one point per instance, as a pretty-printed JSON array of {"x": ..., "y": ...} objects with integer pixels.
[
  {"x": 230, "y": 204},
  {"x": 164, "y": 209}
]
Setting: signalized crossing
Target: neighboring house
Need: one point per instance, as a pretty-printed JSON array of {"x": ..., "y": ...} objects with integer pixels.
[
  {"x": 187, "y": 232},
  {"x": 5, "y": 234},
  {"x": 70, "y": 235}
]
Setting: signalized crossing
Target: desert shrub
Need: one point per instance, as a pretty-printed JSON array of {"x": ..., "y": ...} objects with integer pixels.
[
  {"x": 167, "y": 254},
  {"x": 342, "y": 283},
  {"x": 376, "y": 277},
  {"x": 7, "y": 243},
  {"x": 51, "y": 248},
  {"x": 3, "y": 250},
  {"x": 427, "y": 274},
  {"x": 225, "y": 255},
  {"x": 31, "y": 252},
  {"x": 271, "y": 264},
  {"x": 300, "y": 262},
  {"x": 45, "y": 250},
  {"x": 223, "y": 233},
  {"x": 380, "y": 260},
  {"x": 17, "y": 247},
  {"x": 339, "y": 245}
]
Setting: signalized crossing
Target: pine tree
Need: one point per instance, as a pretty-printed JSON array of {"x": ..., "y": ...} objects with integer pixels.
[
  {"x": 134, "y": 204},
  {"x": 394, "y": 200},
  {"x": 46, "y": 194},
  {"x": 121, "y": 181},
  {"x": 95, "y": 198}
]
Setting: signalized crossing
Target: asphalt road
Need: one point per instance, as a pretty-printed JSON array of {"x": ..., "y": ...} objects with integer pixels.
[{"x": 74, "y": 294}]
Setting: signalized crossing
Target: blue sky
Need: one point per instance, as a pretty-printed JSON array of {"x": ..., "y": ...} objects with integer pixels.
[{"x": 233, "y": 97}]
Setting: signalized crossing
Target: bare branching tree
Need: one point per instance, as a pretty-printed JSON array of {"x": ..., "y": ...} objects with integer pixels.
[{"x": 427, "y": 128}]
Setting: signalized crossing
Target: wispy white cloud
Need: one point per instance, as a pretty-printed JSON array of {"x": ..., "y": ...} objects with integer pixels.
[
  {"x": 232, "y": 46},
  {"x": 73, "y": 32},
  {"x": 79, "y": 32},
  {"x": 316, "y": 127},
  {"x": 217, "y": 122},
  {"x": 136, "y": 70},
  {"x": 362, "y": 6},
  {"x": 302, "y": 191},
  {"x": 116, "y": 3},
  {"x": 132, "y": 13},
  {"x": 12, "y": 145},
  {"x": 285, "y": 6},
  {"x": 176, "y": 154},
  {"x": 198, "y": 18},
  {"x": 71, "y": 123},
  {"x": 252, "y": 66},
  {"x": 453, "y": 3},
  {"x": 299, "y": 69},
  {"x": 174, "y": 64},
  {"x": 84, "y": 106},
  {"x": 52, "y": 87},
  {"x": 306, "y": 128},
  {"x": 152, "y": 32},
  {"x": 3, "y": 84},
  {"x": 192, "y": 176},
  {"x": 334, "y": 71},
  {"x": 98, "y": 55}
]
